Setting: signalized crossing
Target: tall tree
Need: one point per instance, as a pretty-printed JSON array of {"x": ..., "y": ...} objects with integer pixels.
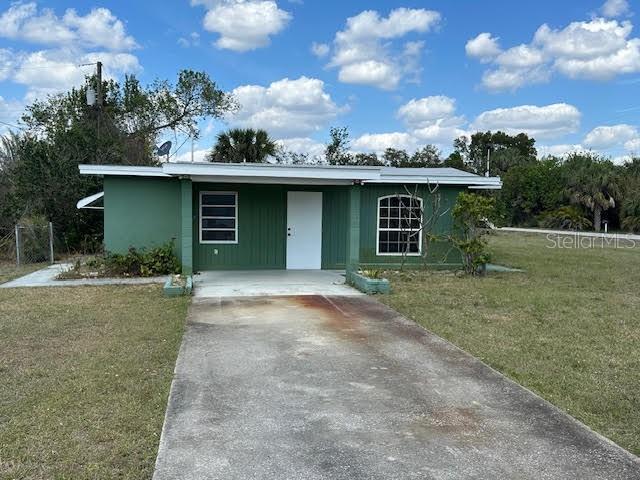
[
  {"x": 337, "y": 150},
  {"x": 629, "y": 178},
  {"x": 62, "y": 131},
  {"x": 367, "y": 159},
  {"x": 240, "y": 145},
  {"x": 505, "y": 151},
  {"x": 394, "y": 157},
  {"x": 592, "y": 182},
  {"x": 426, "y": 157},
  {"x": 530, "y": 189}
]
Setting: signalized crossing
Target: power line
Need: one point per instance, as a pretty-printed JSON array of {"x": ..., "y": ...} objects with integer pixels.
[{"x": 11, "y": 125}]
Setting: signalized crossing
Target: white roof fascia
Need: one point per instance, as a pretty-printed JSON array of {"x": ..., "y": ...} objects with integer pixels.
[
  {"x": 271, "y": 180},
  {"x": 242, "y": 171},
  {"x": 122, "y": 170},
  {"x": 441, "y": 180}
]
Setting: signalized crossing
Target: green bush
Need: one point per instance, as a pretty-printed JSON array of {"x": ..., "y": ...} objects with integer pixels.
[
  {"x": 471, "y": 214},
  {"x": 630, "y": 213},
  {"x": 138, "y": 263},
  {"x": 145, "y": 263},
  {"x": 565, "y": 218}
]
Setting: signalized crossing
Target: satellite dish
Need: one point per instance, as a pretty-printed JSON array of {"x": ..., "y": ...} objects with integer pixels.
[{"x": 165, "y": 148}]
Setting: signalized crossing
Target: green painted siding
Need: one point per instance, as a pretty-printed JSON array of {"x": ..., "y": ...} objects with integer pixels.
[
  {"x": 140, "y": 212},
  {"x": 334, "y": 227},
  {"x": 186, "y": 226},
  {"x": 143, "y": 212},
  {"x": 261, "y": 229},
  {"x": 440, "y": 253},
  {"x": 262, "y": 225}
]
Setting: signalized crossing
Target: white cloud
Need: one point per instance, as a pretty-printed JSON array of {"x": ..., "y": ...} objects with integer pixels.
[
  {"x": 549, "y": 121},
  {"x": 378, "y": 142},
  {"x": 633, "y": 145},
  {"x": 608, "y": 136},
  {"x": 598, "y": 49},
  {"x": 286, "y": 108},
  {"x": 615, "y": 8},
  {"x": 371, "y": 72},
  {"x": 503, "y": 78},
  {"x": 51, "y": 71},
  {"x": 10, "y": 111},
  {"x": 320, "y": 49},
  {"x": 522, "y": 56},
  {"x": 71, "y": 39},
  {"x": 199, "y": 155},
  {"x": 426, "y": 110},
  {"x": 191, "y": 40},
  {"x": 433, "y": 119},
  {"x": 243, "y": 24},
  {"x": 7, "y": 63},
  {"x": 364, "y": 51},
  {"x": 483, "y": 47},
  {"x": 559, "y": 150},
  {"x": 305, "y": 145},
  {"x": 97, "y": 29}
]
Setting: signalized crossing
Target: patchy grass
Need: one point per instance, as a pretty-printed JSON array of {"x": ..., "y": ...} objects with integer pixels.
[
  {"x": 568, "y": 328},
  {"x": 9, "y": 271},
  {"x": 85, "y": 378}
]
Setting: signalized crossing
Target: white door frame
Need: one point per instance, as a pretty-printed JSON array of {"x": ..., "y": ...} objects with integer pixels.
[{"x": 304, "y": 230}]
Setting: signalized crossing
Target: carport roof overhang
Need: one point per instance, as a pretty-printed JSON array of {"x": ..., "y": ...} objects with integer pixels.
[{"x": 298, "y": 174}]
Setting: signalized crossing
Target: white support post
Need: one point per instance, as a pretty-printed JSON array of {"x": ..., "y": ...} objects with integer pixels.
[
  {"x": 18, "y": 245},
  {"x": 51, "y": 242}
]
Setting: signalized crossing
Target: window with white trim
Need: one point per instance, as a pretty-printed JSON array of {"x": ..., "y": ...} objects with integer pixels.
[
  {"x": 218, "y": 217},
  {"x": 399, "y": 222}
]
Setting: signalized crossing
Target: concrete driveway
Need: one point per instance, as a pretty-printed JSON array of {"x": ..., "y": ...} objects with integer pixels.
[{"x": 314, "y": 387}]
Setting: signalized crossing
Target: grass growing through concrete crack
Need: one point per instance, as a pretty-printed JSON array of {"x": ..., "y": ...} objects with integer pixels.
[
  {"x": 568, "y": 328},
  {"x": 85, "y": 377}
]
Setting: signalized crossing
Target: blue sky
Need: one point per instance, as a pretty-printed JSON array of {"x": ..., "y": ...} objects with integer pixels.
[{"x": 396, "y": 73}]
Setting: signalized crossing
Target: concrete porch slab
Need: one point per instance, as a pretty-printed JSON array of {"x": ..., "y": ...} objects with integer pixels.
[{"x": 250, "y": 283}]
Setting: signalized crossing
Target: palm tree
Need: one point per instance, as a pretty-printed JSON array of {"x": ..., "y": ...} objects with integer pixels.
[
  {"x": 593, "y": 184},
  {"x": 242, "y": 145}
]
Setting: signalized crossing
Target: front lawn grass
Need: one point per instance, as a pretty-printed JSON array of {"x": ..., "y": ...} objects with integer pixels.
[
  {"x": 85, "y": 378},
  {"x": 568, "y": 328}
]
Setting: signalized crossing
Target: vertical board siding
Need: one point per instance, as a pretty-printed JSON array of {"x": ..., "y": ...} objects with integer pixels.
[
  {"x": 262, "y": 225},
  {"x": 440, "y": 253},
  {"x": 141, "y": 213},
  {"x": 335, "y": 202},
  {"x": 261, "y": 229}
]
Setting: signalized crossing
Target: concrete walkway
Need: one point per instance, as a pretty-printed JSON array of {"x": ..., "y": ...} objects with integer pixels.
[
  {"x": 314, "y": 387},
  {"x": 46, "y": 277},
  {"x": 249, "y": 283}
]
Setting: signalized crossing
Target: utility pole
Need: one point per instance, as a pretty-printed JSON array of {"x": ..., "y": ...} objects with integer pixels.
[
  {"x": 488, "y": 160},
  {"x": 99, "y": 86}
]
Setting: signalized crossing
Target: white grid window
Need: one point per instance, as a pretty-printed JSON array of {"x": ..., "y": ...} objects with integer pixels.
[
  {"x": 218, "y": 217},
  {"x": 399, "y": 222}
]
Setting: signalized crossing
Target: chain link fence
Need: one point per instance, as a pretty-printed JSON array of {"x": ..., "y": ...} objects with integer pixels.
[{"x": 27, "y": 243}]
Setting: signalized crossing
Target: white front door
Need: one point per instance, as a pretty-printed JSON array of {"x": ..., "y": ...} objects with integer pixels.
[{"x": 304, "y": 230}]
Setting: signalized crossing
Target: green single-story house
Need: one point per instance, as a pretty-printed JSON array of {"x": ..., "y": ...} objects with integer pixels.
[{"x": 225, "y": 216}]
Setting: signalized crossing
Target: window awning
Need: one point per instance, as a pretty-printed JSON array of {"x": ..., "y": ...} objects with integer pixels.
[{"x": 87, "y": 201}]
